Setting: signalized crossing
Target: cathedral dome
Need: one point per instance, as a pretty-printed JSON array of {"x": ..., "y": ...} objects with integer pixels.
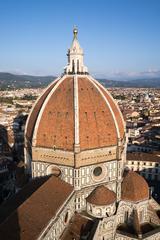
[
  {"x": 134, "y": 187},
  {"x": 101, "y": 196},
  {"x": 75, "y": 110},
  {"x": 74, "y": 114}
]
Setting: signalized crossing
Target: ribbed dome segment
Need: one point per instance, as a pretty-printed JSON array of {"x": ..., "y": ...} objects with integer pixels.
[
  {"x": 134, "y": 187},
  {"x": 115, "y": 109},
  {"x": 75, "y": 110},
  {"x": 35, "y": 110},
  {"x": 102, "y": 196}
]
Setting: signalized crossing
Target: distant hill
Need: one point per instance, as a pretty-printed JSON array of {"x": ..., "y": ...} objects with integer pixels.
[
  {"x": 137, "y": 83},
  {"x": 11, "y": 81}
]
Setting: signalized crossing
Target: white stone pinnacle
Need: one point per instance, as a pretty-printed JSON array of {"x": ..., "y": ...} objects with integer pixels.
[{"x": 75, "y": 57}]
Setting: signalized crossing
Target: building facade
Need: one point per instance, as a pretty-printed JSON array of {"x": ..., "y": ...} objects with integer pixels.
[{"x": 147, "y": 164}]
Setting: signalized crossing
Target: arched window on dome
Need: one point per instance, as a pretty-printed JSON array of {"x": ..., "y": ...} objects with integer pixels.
[
  {"x": 78, "y": 65},
  {"x": 73, "y": 66}
]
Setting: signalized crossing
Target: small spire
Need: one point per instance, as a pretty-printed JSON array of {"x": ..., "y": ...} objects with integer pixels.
[{"x": 75, "y": 31}]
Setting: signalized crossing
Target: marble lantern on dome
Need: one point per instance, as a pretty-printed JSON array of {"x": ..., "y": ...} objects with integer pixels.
[{"x": 75, "y": 57}]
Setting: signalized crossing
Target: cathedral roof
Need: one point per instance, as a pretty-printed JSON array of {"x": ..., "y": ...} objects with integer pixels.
[
  {"x": 11, "y": 204},
  {"x": 134, "y": 187},
  {"x": 34, "y": 214},
  {"x": 75, "y": 110},
  {"x": 101, "y": 195}
]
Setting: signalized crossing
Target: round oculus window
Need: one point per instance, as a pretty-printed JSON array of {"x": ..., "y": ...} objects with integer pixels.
[{"x": 97, "y": 171}]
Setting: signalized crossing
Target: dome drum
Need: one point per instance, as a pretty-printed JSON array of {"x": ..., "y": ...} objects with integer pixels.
[
  {"x": 68, "y": 158},
  {"x": 101, "y": 211}
]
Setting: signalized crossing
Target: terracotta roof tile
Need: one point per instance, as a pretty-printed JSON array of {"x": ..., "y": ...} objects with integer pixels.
[
  {"x": 34, "y": 114},
  {"x": 97, "y": 128},
  {"x": 56, "y": 126},
  {"x": 141, "y": 156},
  {"x": 16, "y": 200},
  {"x": 25, "y": 223},
  {"x": 134, "y": 187},
  {"x": 115, "y": 110},
  {"x": 101, "y": 195}
]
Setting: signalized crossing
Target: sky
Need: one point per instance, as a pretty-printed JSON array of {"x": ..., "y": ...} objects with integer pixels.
[{"x": 120, "y": 38}]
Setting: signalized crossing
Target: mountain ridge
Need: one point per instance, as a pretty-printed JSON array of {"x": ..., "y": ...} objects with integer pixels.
[{"x": 14, "y": 81}]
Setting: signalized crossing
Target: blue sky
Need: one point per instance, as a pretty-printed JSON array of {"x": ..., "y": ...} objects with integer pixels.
[{"x": 120, "y": 38}]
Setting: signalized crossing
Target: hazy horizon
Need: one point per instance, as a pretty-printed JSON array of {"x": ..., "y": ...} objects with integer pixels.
[{"x": 120, "y": 38}]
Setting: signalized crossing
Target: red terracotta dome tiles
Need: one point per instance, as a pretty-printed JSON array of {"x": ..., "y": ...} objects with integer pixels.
[
  {"x": 115, "y": 110},
  {"x": 134, "y": 187},
  {"x": 97, "y": 128},
  {"x": 57, "y": 121},
  {"x": 54, "y": 116},
  {"x": 34, "y": 114},
  {"x": 101, "y": 196}
]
